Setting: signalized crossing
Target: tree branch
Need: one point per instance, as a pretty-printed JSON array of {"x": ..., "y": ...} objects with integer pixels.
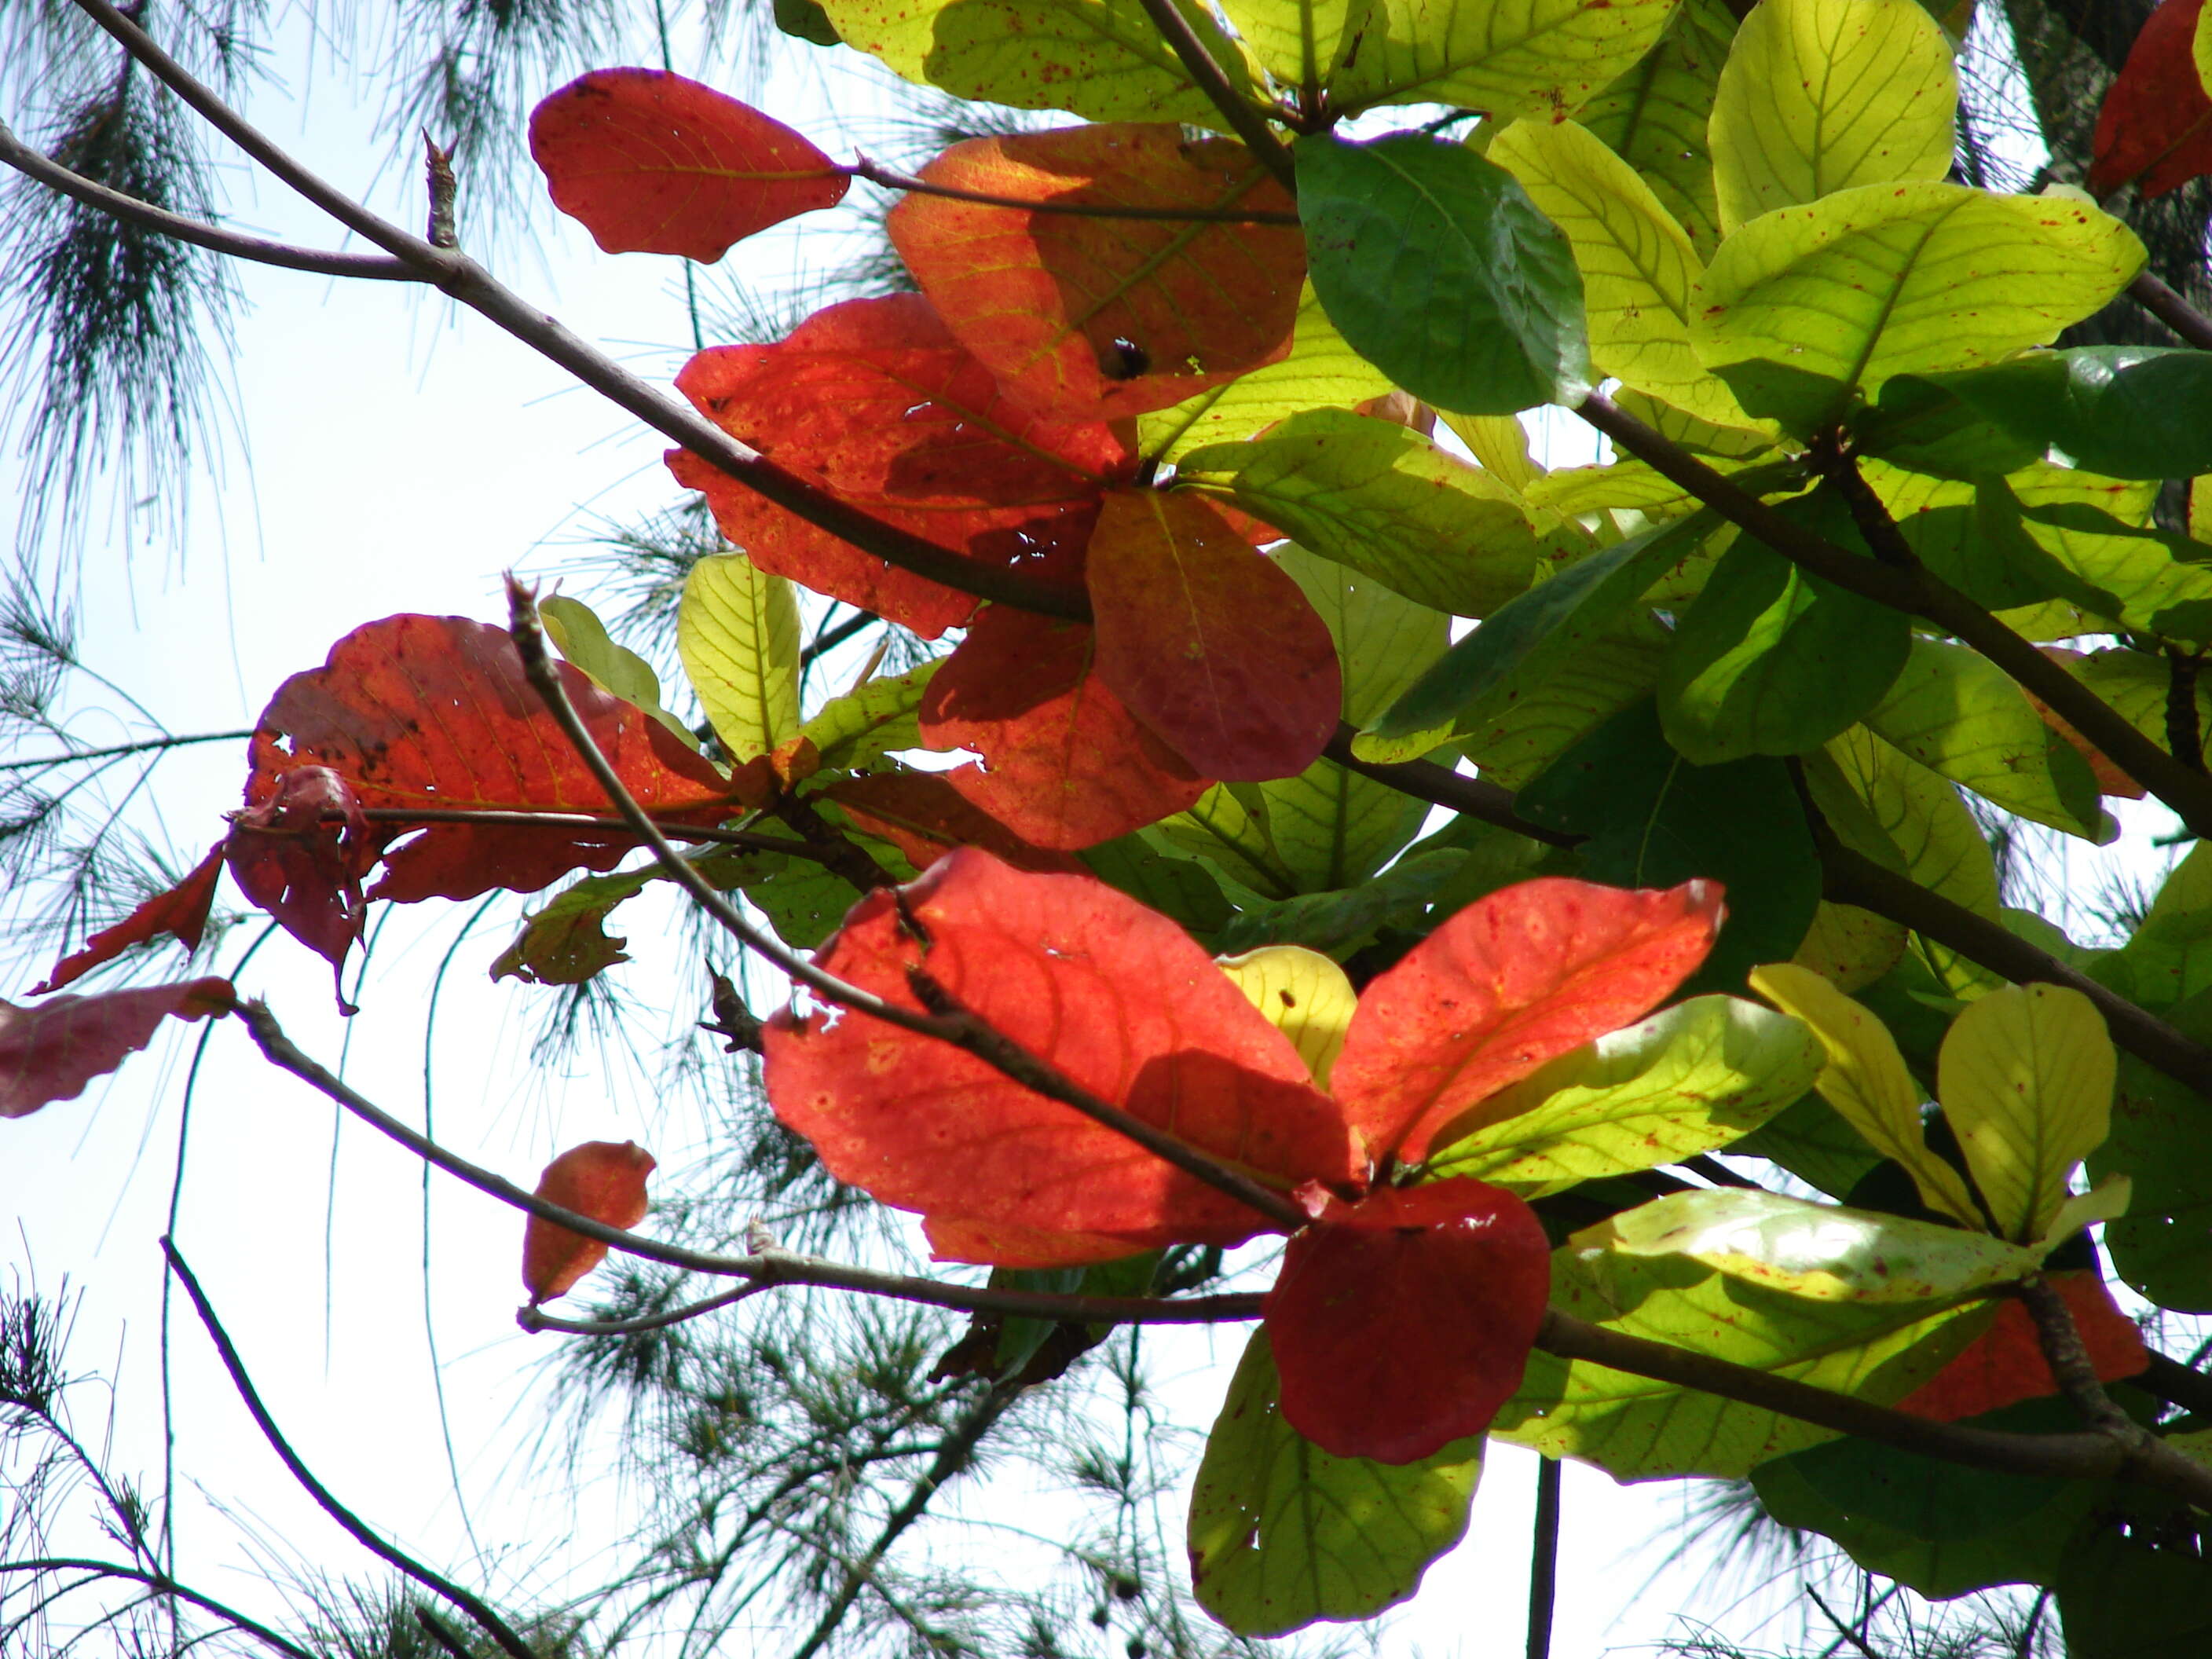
[
  {"x": 111, "y": 749},
  {"x": 161, "y": 1584},
  {"x": 751, "y": 840},
  {"x": 2170, "y": 308},
  {"x": 1245, "y": 118},
  {"x": 891, "y": 178}
]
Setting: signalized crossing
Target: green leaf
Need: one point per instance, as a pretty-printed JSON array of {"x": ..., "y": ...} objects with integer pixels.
[
  {"x": 2143, "y": 578},
  {"x": 1283, "y": 1534},
  {"x": 1822, "y": 96},
  {"x": 1227, "y": 827},
  {"x": 1501, "y": 660},
  {"x": 1688, "y": 1080},
  {"x": 1773, "y": 660},
  {"x": 1638, "y": 265},
  {"x": 1437, "y": 268},
  {"x": 583, "y": 640},
  {"x": 1339, "y": 922},
  {"x": 737, "y": 630},
  {"x": 1637, "y": 1429},
  {"x": 1296, "y": 41},
  {"x": 566, "y": 942},
  {"x": 1631, "y": 485},
  {"x": 2168, "y": 958},
  {"x": 2163, "y": 1245},
  {"x": 1333, "y": 827},
  {"x": 1321, "y": 371},
  {"x": 803, "y": 902},
  {"x": 1617, "y": 665},
  {"x": 854, "y": 732},
  {"x": 1506, "y": 57},
  {"x": 804, "y": 20},
  {"x": 1959, "y": 716},
  {"x": 1899, "y": 279},
  {"x": 1381, "y": 498},
  {"x": 1813, "y": 1142},
  {"x": 1149, "y": 869},
  {"x": 2122, "y": 1598},
  {"x": 1019, "y": 1338},
  {"x": 1100, "y": 58},
  {"x": 1655, "y": 118},
  {"x": 1654, "y": 819}
]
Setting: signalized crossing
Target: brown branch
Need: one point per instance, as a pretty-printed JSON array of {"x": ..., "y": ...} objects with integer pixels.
[
  {"x": 891, "y": 178},
  {"x": 827, "y": 846},
  {"x": 1917, "y": 591},
  {"x": 2170, "y": 308},
  {"x": 1442, "y": 787},
  {"x": 2185, "y": 734},
  {"x": 1246, "y": 119},
  {"x": 749, "y": 840}
]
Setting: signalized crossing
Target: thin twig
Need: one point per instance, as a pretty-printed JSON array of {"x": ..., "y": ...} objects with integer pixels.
[
  {"x": 1245, "y": 118},
  {"x": 161, "y": 1584},
  {"x": 534, "y": 1319},
  {"x": 2170, "y": 308},
  {"x": 1440, "y": 786},
  {"x": 2184, "y": 733},
  {"x": 751, "y": 840},
  {"x": 1843, "y": 1632},
  {"x": 1544, "y": 1558},
  {"x": 493, "y": 1627},
  {"x": 114, "y": 749},
  {"x": 891, "y": 178}
]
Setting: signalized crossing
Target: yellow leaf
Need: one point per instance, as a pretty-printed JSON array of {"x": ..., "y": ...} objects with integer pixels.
[
  {"x": 1850, "y": 947},
  {"x": 2026, "y": 1077},
  {"x": 1303, "y": 994},
  {"x": 1867, "y": 1082},
  {"x": 737, "y": 628}
]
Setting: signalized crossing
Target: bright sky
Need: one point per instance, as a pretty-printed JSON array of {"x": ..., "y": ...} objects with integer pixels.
[{"x": 402, "y": 456}]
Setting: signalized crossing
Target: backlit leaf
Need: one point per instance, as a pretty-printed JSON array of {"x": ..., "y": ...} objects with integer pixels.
[
  {"x": 575, "y": 629},
  {"x": 2025, "y": 1078},
  {"x": 2163, "y": 1245},
  {"x": 181, "y": 913},
  {"x": 1851, "y": 948},
  {"x": 2154, "y": 130},
  {"x": 2119, "y": 411},
  {"x": 737, "y": 628},
  {"x": 858, "y": 729},
  {"x": 602, "y": 1179},
  {"x": 1505, "y": 57},
  {"x": 49, "y": 1051},
  {"x": 2005, "y": 1365},
  {"x": 1614, "y": 667},
  {"x": 1115, "y": 996},
  {"x": 875, "y": 401},
  {"x": 925, "y": 815},
  {"x": 1511, "y": 981},
  {"x": 1656, "y": 115},
  {"x": 1210, "y": 644},
  {"x": 1282, "y": 1534},
  {"x": 653, "y": 163},
  {"x": 1401, "y": 1323},
  {"x": 566, "y": 942},
  {"x": 1093, "y": 318},
  {"x": 1304, "y": 995}
]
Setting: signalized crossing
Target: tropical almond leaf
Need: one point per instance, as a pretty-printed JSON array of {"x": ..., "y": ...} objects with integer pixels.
[
  {"x": 1517, "y": 978},
  {"x": 1282, "y": 1534},
  {"x": 582, "y": 638},
  {"x": 1657, "y": 116},
  {"x": 737, "y": 629},
  {"x": 602, "y": 1179},
  {"x": 653, "y": 163},
  {"x": 1210, "y": 644},
  {"x": 926, "y": 816},
  {"x": 2005, "y": 1365},
  {"x": 2154, "y": 130},
  {"x": 181, "y": 912},
  {"x": 1304, "y": 995},
  {"x": 1538, "y": 56},
  {"x": 874, "y": 401},
  {"x": 50, "y": 1052},
  {"x": 1064, "y": 764},
  {"x": 1402, "y": 1323},
  {"x": 1115, "y": 997},
  {"x": 300, "y": 853},
  {"x": 1084, "y": 318}
]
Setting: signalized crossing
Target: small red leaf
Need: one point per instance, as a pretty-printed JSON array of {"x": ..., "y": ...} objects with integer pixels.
[
  {"x": 653, "y": 163},
  {"x": 181, "y": 913},
  {"x": 1065, "y": 765},
  {"x": 875, "y": 402},
  {"x": 299, "y": 853},
  {"x": 602, "y": 1179},
  {"x": 2005, "y": 1365},
  {"x": 2156, "y": 128},
  {"x": 1519, "y": 977},
  {"x": 922, "y": 815},
  {"x": 1402, "y": 1323},
  {"x": 49, "y": 1053},
  {"x": 1083, "y": 317},
  {"x": 1208, "y": 642},
  {"x": 1113, "y": 995}
]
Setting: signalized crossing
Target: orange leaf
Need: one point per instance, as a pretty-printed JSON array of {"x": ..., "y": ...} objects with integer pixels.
[
  {"x": 2005, "y": 1365},
  {"x": 653, "y": 163},
  {"x": 1115, "y": 997},
  {"x": 182, "y": 913},
  {"x": 2111, "y": 781},
  {"x": 49, "y": 1053},
  {"x": 922, "y": 815},
  {"x": 1086, "y": 316},
  {"x": 1065, "y": 765},
  {"x": 875, "y": 402},
  {"x": 1208, "y": 642},
  {"x": 602, "y": 1179},
  {"x": 2155, "y": 127},
  {"x": 1518, "y": 977}
]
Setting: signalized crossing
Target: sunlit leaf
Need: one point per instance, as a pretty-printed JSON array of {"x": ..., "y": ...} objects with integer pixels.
[
  {"x": 1507, "y": 57},
  {"x": 583, "y": 639},
  {"x": 1304, "y": 995},
  {"x": 1851, "y": 948},
  {"x": 49, "y": 1051},
  {"x": 1655, "y": 116},
  {"x": 602, "y": 1179},
  {"x": 2154, "y": 130},
  {"x": 2005, "y": 1364},
  {"x": 737, "y": 627},
  {"x": 181, "y": 913},
  {"x": 857, "y": 730}
]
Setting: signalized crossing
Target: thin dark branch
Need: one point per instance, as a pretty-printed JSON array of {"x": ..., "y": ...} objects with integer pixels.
[
  {"x": 495, "y": 1626},
  {"x": 114, "y": 749},
  {"x": 1245, "y": 118},
  {"x": 1442, "y": 787},
  {"x": 162, "y": 1584},
  {"x": 827, "y": 846},
  {"x": 830, "y": 639},
  {"x": 2177, "y": 1384},
  {"x": 891, "y": 178},
  {"x": 2185, "y": 732},
  {"x": 1544, "y": 1558},
  {"x": 751, "y": 840},
  {"x": 1844, "y": 1633},
  {"x": 2170, "y": 308},
  {"x": 534, "y": 1319}
]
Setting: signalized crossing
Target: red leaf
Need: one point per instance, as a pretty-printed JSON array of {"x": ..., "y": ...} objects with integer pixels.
[
  {"x": 1519, "y": 977},
  {"x": 182, "y": 913},
  {"x": 433, "y": 712},
  {"x": 49, "y": 1053},
  {"x": 653, "y": 163},
  {"x": 2005, "y": 1365},
  {"x": 1402, "y": 1323},
  {"x": 1087, "y": 316},
  {"x": 1113, "y": 995},
  {"x": 1209, "y": 643},
  {"x": 922, "y": 815},
  {"x": 2155, "y": 128},
  {"x": 602, "y": 1179},
  {"x": 300, "y": 855},
  {"x": 1065, "y": 765},
  {"x": 875, "y": 402},
  {"x": 2111, "y": 781}
]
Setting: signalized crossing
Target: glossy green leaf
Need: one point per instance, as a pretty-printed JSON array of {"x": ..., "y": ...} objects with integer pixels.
[
  {"x": 1899, "y": 279},
  {"x": 2120, "y": 412},
  {"x": 1959, "y": 716},
  {"x": 1149, "y": 869},
  {"x": 1282, "y": 1534},
  {"x": 855, "y": 731},
  {"x": 1506, "y": 57},
  {"x": 1019, "y": 1338},
  {"x": 1384, "y": 500},
  {"x": 583, "y": 639},
  {"x": 1437, "y": 268},
  {"x": 1690, "y": 1079},
  {"x": 1655, "y": 116},
  {"x": 1822, "y": 96},
  {"x": 737, "y": 630}
]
